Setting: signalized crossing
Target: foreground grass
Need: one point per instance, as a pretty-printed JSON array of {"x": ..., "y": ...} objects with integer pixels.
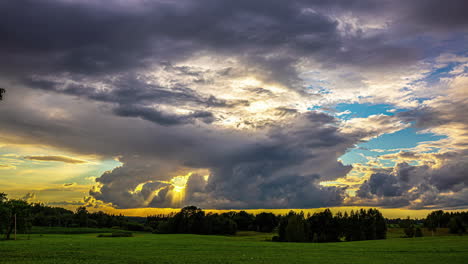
[
  {"x": 399, "y": 232},
  {"x": 247, "y": 247},
  {"x": 74, "y": 230}
]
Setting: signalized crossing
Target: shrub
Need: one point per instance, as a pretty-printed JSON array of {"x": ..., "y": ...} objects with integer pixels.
[
  {"x": 409, "y": 231},
  {"x": 117, "y": 234},
  {"x": 418, "y": 232}
]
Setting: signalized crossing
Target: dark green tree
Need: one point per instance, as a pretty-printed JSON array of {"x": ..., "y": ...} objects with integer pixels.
[
  {"x": 456, "y": 225},
  {"x": 81, "y": 216},
  {"x": 15, "y": 214},
  {"x": 296, "y": 229},
  {"x": 418, "y": 232},
  {"x": 265, "y": 222}
]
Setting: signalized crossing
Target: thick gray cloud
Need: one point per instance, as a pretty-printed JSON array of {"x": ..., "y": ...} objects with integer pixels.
[
  {"x": 277, "y": 168},
  {"x": 56, "y": 158},
  {"x": 418, "y": 186},
  {"x": 100, "y": 37},
  {"x": 121, "y": 79},
  {"x": 280, "y": 170}
]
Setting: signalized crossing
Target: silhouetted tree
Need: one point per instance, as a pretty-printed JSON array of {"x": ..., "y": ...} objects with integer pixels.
[
  {"x": 4, "y": 213},
  {"x": 244, "y": 220},
  {"x": 14, "y": 213},
  {"x": 265, "y": 222},
  {"x": 296, "y": 229},
  {"x": 2, "y": 91},
  {"x": 326, "y": 227},
  {"x": 193, "y": 220},
  {"x": 81, "y": 216},
  {"x": 418, "y": 232},
  {"x": 455, "y": 221},
  {"x": 456, "y": 225}
]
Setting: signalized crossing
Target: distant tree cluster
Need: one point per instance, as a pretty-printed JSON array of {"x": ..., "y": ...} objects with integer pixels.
[
  {"x": 401, "y": 222},
  {"x": 193, "y": 220},
  {"x": 14, "y": 213},
  {"x": 326, "y": 227},
  {"x": 29, "y": 214},
  {"x": 411, "y": 227},
  {"x": 59, "y": 217},
  {"x": 293, "y": 227},
  {"x": 456, "y": 222}
]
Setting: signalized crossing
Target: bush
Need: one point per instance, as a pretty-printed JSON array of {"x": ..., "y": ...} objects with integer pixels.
[
  {"x": 122, "y": 234},
  {"x": 418, "y": 232},
  {"x": 117, "y": 234},
  {"x": 456, "y": 225},
  {"x": 409, "y": 231},
  {"x": 134, "y": 226}
]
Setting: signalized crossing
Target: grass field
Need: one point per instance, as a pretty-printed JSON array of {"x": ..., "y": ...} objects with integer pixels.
[
  {"x": 64, "y": 230},
  {"x": 246, "y": 247}
]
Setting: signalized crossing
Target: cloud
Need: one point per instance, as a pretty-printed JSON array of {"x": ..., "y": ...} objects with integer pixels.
[
  {"x": 141, "y": 81},
  {"x": 417, "y": 186},
  {"x": 7, "y": 167},
  {"x": 56, "y": 158},
  {"x": 372, "y": 126},
  {"x": 271, "y": 171},
  {"x": 29, "y": 197},
  {"x": 162, "y": 118}
]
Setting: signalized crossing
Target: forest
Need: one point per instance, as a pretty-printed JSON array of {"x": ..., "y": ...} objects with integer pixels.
[{"x": 293, "y": 227}]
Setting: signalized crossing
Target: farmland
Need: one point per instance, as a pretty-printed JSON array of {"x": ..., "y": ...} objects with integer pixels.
[{"x": 245, "y": 247}]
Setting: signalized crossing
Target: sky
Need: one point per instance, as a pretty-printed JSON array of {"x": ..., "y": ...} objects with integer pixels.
[{"x": 266, "y": 104}]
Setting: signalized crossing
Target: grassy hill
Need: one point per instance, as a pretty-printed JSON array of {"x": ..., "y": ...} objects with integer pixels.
[{"x": 246, "y": 247}]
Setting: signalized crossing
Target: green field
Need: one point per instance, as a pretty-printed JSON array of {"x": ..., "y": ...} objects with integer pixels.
[{"x": 246, "y": 247}]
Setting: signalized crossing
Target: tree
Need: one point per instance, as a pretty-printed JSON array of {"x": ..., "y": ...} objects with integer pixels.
[
  {"x": 81, "y": 216},
  {"x": 324, "y": 227},
  {"x": 265, "y": 222},
  {"x": 2, "y": 91},
  {"x": 431, "y": 225},
  {"x": 456, "y": 225},
  {"x": 4, "y": 213},
  {"x": 438, "y": 219},
  {"x": 243, "y": 220},
  {"x": 418, "y": 232},
  {"x": 296, "y": 229},
  {"x": 15, "y": 215}
]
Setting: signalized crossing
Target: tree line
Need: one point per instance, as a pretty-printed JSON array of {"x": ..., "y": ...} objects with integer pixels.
[
  {"x": 456, "y": 222},
  {"x": 326, "y": 227},
  {"x": 193, "y": 220},
  {"x": 292, "y": 227},
  {"x": 27, "y": 215}
]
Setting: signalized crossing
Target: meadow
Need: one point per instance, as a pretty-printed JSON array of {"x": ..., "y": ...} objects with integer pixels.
[{"x": 245, "y": 247}]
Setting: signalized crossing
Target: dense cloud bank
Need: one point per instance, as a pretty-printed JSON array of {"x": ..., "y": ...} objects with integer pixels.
[
  {"x": 224, "y": 89},
  {"x": 280, "y": 170}
]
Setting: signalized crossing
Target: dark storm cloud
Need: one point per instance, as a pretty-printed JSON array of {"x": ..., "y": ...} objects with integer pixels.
[
  {"x": 162, "y": 118},
  {"x": 56, "y": 158},
  {"x": 93, "y": 38},
  {"x": 436, "y": 14},
  {"x": 135, "y": 97},
  {"x": 270, "y": 172},
  {"x": 242, "y": 165},
  {"x": 383, "y": 185},
  {"x": 418, "y": 186},
  {"x": 88, "y": 55},
  {"x": 98, "y": 37}
]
